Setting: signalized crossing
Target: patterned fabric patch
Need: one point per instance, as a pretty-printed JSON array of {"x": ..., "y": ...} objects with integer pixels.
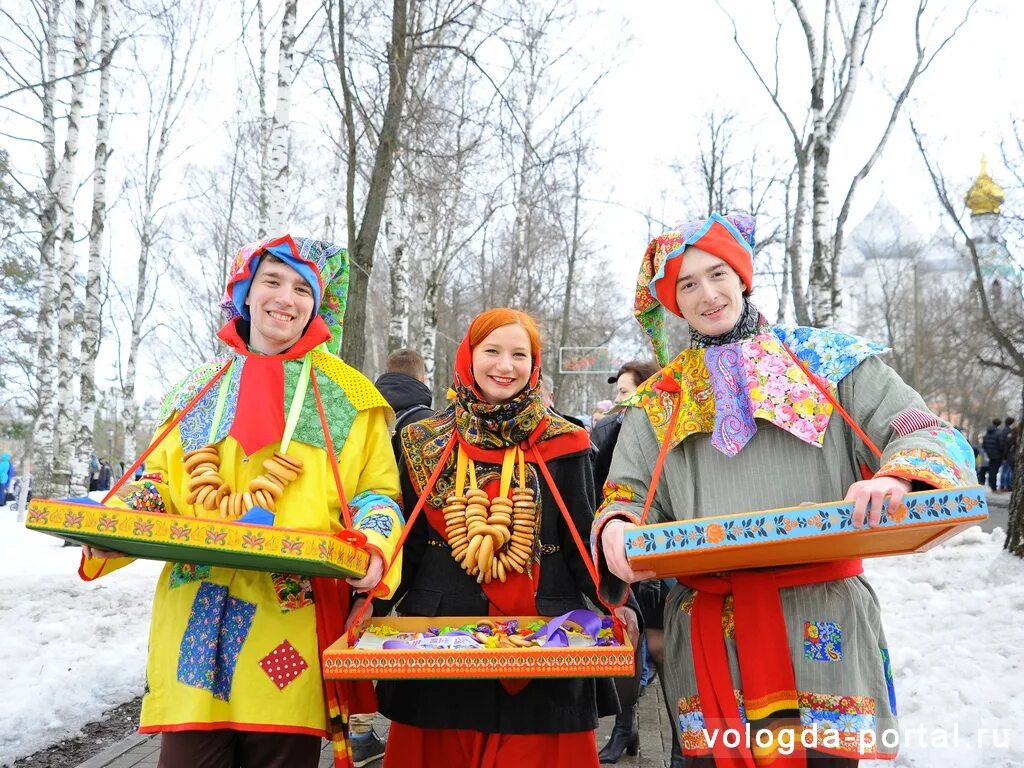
[
  {"x": 910, "y": 420},
  {"x": 358, "y": 388},
  {"x": 340, "y": 409},
  {"x": 781, "y": 392},
  {"x": 195, "y": 425},
  {"x": 848, "y": 717},
  {"x": 378, "y": 522},
  {"x": 293, "y": 591},
  {"x": 828, "y": 353},
  {"x": 375, "y": 512},
  {"x": 887, "y": 668},
  {"x": 188, "y": 387},
  {"x": 186, "y": 573},
  {"x": 216, "y": 630},
  {"x": 143, "y": 496},
  {"x": 932, "y": 468},
  {"x": 823, "y": 641},
  {"x": 734, "y": 419},
  {"x": 283, "y": 665},
  {"x": 613, "y": 494}
]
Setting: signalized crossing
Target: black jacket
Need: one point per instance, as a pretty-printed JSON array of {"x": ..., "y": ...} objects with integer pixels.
[
  {"x": 604, "y": 436},
  {"x": 409, "y": 399},
  {"x": 993, "y": 444},
  {"x": 433, "y": 584}
]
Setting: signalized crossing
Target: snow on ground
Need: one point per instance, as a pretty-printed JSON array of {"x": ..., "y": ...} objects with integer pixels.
[
  {"x": 954, "y": 619},
  {"x": 69, "y": 650}
]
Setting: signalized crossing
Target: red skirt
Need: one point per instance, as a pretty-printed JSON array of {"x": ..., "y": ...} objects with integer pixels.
[{"x": 412, "y": 747}]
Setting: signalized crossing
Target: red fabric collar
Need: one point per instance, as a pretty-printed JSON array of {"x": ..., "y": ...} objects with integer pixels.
[
  {"x": 762, "y": 648},
  {"x": 316, "y": 334},
  {"x": 260, "y": 410}
]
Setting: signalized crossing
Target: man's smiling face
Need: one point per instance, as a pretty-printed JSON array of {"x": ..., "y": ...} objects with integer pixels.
[{"x": 280, "y": 305}]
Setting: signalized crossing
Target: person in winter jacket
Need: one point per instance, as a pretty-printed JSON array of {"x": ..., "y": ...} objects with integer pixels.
[{"x": 994, "y": 446}]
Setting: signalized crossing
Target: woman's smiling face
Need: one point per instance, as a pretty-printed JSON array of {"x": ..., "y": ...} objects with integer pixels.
[{"x": 502, "y": 363}]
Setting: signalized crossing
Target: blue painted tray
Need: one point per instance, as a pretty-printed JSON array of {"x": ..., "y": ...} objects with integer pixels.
[{"x": 797, "y": 535}]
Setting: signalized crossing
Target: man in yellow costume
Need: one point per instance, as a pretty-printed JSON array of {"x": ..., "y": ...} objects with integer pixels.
[{"x": 233, "y": 676}]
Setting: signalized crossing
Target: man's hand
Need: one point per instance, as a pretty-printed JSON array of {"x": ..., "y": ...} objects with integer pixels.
[
  {"x": 628, "y": 617},
  {"x": 103, "y": 554},
  {"x": 373, "y": 574},
  {"x": 613, "y": 545},
  {"x": 867, "y": 497}
]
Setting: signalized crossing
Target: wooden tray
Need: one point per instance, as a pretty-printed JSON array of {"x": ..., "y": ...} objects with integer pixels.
[
  {"x": 798, "y": 535},
  {"x": 344, "y": 663},
  {"x": 158, "y": 536}
]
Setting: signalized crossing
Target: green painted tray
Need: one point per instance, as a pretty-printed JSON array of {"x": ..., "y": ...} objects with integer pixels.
[{"x": 157, "y": 536}]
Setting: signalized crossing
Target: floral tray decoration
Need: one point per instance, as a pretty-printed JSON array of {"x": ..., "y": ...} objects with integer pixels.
[
  {"x": 251, "y": 542},
  {"x": 806, "y": 534}
]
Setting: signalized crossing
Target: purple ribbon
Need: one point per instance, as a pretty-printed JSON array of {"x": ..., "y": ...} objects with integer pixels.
[
  {"x": 556, "y": 636},
  {"x": 393, "y": 645}
]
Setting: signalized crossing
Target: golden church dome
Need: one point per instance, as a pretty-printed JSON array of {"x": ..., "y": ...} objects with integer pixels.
[{"x": 984, "y": 196}]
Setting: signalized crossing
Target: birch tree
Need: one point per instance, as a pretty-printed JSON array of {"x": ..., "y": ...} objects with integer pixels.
[
  {"x": 837, "y": 49},
  {"x": 179, "y": 33},
  {"x": 39, "y": 79},
  {"x": 63, "y": 450},
  {"x": 277, "y": 166},
  {"x": 91, "y": 320}
]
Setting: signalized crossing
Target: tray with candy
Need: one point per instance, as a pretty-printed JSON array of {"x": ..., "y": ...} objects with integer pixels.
[{"x": 577, "y": 644}]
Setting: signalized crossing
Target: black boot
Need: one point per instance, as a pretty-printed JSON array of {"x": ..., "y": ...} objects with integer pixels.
[
  {"x": 625, "y": 737},
  {"x": 678, "y": 761}
]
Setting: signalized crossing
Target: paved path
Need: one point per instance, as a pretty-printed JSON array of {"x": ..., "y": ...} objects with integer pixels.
[{"x": 142, "y": 751}]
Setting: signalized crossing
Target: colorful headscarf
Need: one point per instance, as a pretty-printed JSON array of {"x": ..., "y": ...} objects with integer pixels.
[
  {"x": 730, "y": 237},
  {"x": 323, "y": 265}
]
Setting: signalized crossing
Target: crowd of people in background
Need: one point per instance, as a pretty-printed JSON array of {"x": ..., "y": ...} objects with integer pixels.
[{"x": 995, "y": 451}]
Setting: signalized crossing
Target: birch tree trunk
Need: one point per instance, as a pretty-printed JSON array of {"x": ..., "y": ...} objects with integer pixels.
[
  {"x": 66, "y": 362},
  {"x": 795, "y": 246},
  {"x": 263, "y": 204},
  {"x": 91, "y": 322},
  {"x": 42, "y": 435},
  {"x": 573, "y": 257},
  {"x": 428, "y": 336},
  {"x": 396, "y": 230},
  {"x": 277, "y": 181},
  {"x": 826, "y": 121}
]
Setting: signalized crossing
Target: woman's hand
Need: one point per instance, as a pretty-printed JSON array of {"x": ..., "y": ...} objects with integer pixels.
[
  {"x": 357, "y": 604},
  {"x": 628, "y": 617},
  {"x": 613, "y": 545},
  {"x": 868, "y": 495},
  {"x": 373, "y": 574}
]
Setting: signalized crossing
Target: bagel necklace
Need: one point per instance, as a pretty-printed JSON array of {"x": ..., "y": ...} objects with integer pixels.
[
  {"x": 207, "y": 488},
  {"x": 489, "y": 537}
]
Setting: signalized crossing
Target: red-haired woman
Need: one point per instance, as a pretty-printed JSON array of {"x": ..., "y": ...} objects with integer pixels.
[{"x": 499, "y": 420}]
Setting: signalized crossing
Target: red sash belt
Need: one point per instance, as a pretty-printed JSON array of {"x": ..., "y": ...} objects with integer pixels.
[{"x": 762, "y": 647}]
